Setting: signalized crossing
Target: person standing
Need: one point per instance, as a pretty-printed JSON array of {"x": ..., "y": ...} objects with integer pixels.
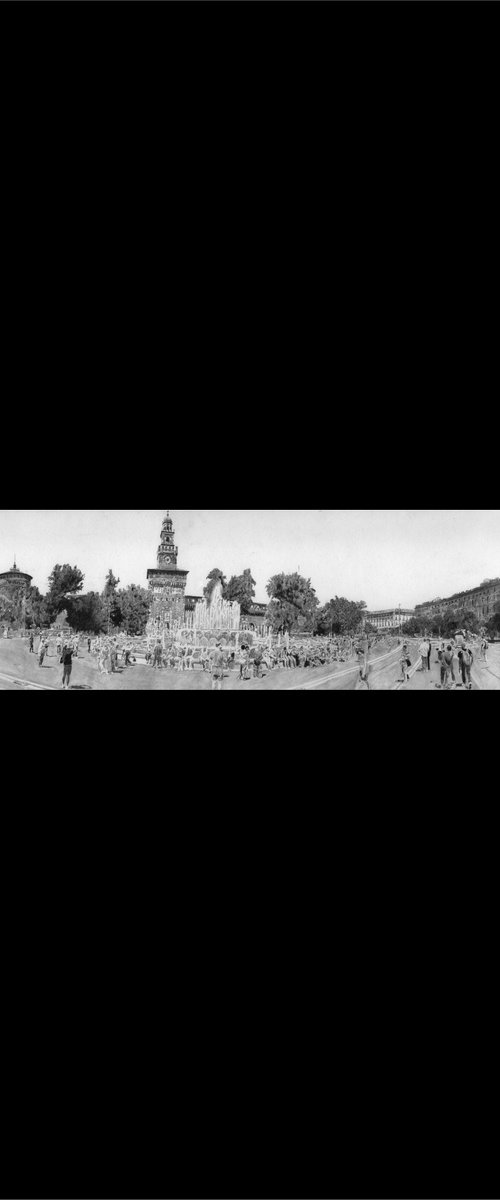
[
  {"x": 467, "y": 661},
  {"x": 442, "y": 666},
  {"x": 67, "y": 661},
  {"x": 404, "y": 664},
  {"x": 429, "y": 655},
  {"x": 242, "y": 659},
  {"x": 89, "y": 644},
  {"x": 362, "y": 653},
  {"x": 258, "y": 663},
  {"x": 448, "y": 665},
  {"x": 217, "y": 670},
  {"x": 42, "y": 650},
  {"x": 423, "y": 650},
  {"x": 32, "y": 643}
]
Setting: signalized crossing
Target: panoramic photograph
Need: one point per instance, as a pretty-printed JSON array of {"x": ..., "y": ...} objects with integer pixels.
[{"x": 249, "y": 600}]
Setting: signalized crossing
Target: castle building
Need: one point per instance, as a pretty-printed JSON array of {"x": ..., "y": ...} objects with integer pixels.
[
  {"x": 14, "y": 588},
  {"x": 167, "y": 582},
  {"x": 14, "y": 582}
]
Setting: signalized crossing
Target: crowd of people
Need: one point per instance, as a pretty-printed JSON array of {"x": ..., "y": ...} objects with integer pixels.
[
  {"x": 255, "y": 661},
  {"x": 457, "y": 652},
  {"x": 111, "y": 654},
  {"x": 455, "y": 656}
]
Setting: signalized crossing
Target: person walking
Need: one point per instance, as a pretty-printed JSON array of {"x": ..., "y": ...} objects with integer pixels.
[
  {"x": 42, "y": 650},
  {"x": 67, "y": 661},
  {"x": 429, "y": 655},
  {"x": 89, "y": 645},
  {"x": 32, "y": 643}
]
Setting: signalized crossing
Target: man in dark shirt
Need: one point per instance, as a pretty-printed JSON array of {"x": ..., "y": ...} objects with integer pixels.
[{"x": 67, "y": 660}]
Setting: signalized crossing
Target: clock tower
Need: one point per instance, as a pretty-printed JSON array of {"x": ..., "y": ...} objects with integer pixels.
[{"x": 167, "y": 582}]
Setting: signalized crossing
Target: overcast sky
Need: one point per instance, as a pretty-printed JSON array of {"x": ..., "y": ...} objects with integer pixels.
[{"x": 383, "y": 556}]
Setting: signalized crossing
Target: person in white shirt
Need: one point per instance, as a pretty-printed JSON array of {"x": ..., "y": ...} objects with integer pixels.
[{"x": 423, "y": 650}]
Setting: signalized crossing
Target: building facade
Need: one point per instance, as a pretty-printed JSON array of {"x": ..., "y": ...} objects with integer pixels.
[
  {"x": 389, "y": 618},
  {"x": 481, "y": 601},
  {"x": 255, "y": 620}
]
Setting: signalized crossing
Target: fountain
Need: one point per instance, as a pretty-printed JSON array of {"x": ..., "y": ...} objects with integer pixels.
[{"x": 216, "y": 616}]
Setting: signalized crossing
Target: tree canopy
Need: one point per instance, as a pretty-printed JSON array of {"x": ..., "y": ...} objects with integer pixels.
[
  {"x": 212, "y": 579},
  {"x": 86, "y": 614},
  {"x": 135, "y": 604},
  {"x": 241, "y": 588},
  {"x": 64, "y": 582},
  {"x": 340, "y": 616},
  {"x": 293, "y": 603},
  {"x": 111, "y": 600}
]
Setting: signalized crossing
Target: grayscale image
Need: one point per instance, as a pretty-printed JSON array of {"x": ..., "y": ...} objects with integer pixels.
[{"x": 249, "y": 599}]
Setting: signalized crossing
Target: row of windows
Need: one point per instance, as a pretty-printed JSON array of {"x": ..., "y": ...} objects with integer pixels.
[{"x": 466, "y": 600}]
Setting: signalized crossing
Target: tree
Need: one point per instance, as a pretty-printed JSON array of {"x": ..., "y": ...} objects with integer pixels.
[
  {"x": 12, "y": 605},
  {"x": 293, "y": 603},
  {"x": 64, "y": 582},
  {"x": 6, "y": 609},
  {"x": 241, "y": 588},
  {"x": 213, "y": 578},
  {"x": 415, "y": 627},
  {"x": 470, "y": 622},
  {"x": 135, "y": 607},
  {"x": 111, "y": 601},
  {"x": 450, "y": 622},
  {"x": 340, "y": 616},
  {"x": 86, "y": 614},
  {"x": 111, "y": 584},
  {"x": 37, "y": 609},
  {"x": 493, "y": 625}
]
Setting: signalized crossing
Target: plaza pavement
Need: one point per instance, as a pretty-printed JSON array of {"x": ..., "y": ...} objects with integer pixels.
[{"x": 19, "y": 671}]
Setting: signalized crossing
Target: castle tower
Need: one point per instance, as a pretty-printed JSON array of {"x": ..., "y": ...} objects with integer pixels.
[{"x": 166, "y": 581}]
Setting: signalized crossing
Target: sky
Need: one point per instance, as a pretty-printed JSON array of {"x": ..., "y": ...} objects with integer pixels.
[{"x": 382, "y": 556}]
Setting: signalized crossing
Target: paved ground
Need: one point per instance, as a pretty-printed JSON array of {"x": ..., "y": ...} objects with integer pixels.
[
  {"x": 19, "y": 671},
  {"x": 17, "y": 663}
]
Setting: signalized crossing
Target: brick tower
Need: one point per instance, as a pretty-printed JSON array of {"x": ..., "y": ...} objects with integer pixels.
[{"x": 166, "y": 581}]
